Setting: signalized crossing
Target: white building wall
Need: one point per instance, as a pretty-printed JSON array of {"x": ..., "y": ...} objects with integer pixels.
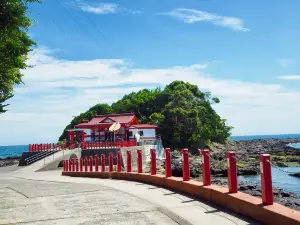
[{"x": 148, "y": 133}]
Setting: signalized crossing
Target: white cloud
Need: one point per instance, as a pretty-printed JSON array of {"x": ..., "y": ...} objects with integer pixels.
[
  {"x": 195, "y": 16},
  {"x": 58, "y": 89},
  {"x": 104, "y": 8},
  {"x": 286, "y": 63},
  {"x": 289, "y": 77}
]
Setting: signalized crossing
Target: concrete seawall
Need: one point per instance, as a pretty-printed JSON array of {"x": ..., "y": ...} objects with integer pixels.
[{"x": 240, "y": 203}]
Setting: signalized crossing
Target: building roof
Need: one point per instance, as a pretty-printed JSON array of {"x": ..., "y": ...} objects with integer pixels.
[
  {"x": 98, "y": 120},
  {"x": 144, "y": 126}
]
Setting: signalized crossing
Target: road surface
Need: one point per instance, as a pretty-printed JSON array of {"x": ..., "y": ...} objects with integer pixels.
[{"x": 48, "y": 198}]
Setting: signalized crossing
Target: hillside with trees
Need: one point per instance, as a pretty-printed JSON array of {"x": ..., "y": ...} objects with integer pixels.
[{"x": 183, "y": 113}]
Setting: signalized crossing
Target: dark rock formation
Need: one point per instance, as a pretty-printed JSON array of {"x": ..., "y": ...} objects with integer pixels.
[
  {"x": 295, "y": 174},
  {"x": 9, "y": 161}
]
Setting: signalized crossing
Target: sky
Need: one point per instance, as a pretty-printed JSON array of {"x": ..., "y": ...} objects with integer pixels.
[{"x": 247, "y": 53}]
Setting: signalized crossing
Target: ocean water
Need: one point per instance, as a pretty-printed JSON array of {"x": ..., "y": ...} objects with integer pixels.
[
  {"x": 280, "y": 179},
  {"x": 14, "y": 150},
  {"x": 254, "y": 137}
]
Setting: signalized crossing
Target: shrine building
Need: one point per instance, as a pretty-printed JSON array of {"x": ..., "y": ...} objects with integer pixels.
[{"x": 112, "y": 127}]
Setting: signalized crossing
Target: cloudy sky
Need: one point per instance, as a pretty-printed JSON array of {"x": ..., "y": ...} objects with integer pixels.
[{"x": 247, "y": 53}]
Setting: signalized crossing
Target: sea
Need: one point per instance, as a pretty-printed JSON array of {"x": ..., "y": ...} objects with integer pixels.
[{"x": 281, "y": 179}]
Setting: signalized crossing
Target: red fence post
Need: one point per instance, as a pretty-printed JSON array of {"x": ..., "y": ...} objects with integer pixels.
[
  {"x": 86, "y": 164},
  {"x": 119, "y": 161},
  {"x": 96, "y": 163},
  {"x": 266, "y": 179},
  {"x": 77, "y": 166},
  {"x": 73, "y": 165},
  {"x": 232, "y": 172},
  {"x": 153, "y": 162},
  {"x": 186, "y": 164},
  {"x": 140, "y": 161},
  {"x": 129, "y": 168},
  {"x": 102, "y": 163},
  {"x": 111, "y": 162},
  {"x": 81, "y": 165},
  {"x": 67, "y": 165},
  {"x": 168, "y": 168},
  {"x": 206, "y": 168},
  {"x": 70, "y": 165},
  {"x": 91, "y": 163},
  {"x": 64, "y": 165}
]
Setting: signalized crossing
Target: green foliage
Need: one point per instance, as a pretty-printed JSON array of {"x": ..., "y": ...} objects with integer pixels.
[
  {"x": 183, "y": 113},
  {"x": 15, "y": 45}
]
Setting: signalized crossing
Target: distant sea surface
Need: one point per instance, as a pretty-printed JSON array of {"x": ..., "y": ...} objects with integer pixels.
[
  {"x": 14, "y": 150},
  {"x": 255, "y": 137}
]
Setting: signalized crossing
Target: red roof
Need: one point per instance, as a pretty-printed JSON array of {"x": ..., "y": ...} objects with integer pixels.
[
  {"x": 144, "y": 126},
  {"x": 123, "y": 118}
]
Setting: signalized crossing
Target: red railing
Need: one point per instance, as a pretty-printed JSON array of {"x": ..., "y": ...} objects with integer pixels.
[
  {"x": 265, "y": 166},
  {"x": 46, "y": 147},
  {"x": 108, "y": 144}
]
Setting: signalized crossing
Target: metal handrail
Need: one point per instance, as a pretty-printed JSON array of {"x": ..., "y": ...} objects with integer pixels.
[{"x": 39, "y": 156}]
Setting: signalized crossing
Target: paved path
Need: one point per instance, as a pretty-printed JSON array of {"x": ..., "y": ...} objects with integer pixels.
[{"x": 49, "y": 198}]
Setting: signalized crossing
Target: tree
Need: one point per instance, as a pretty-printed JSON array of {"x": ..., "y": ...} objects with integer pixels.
[
  {"x": 15, "y": 44},
  {"x": 183, "y": 113}
]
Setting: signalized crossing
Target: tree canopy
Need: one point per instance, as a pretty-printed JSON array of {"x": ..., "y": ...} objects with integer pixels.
[
  {"x": 15, "y": 44},
  {"x": 183, "y": 113}
]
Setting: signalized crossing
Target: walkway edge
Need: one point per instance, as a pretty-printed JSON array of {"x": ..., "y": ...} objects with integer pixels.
[{"x": 240, "y": 203}]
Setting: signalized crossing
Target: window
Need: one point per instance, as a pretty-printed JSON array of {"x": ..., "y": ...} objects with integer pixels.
[
  {"x": 108, "y": 121},
  {"x": 130, "y": 134},
  {"x": 141, "y": 133}
]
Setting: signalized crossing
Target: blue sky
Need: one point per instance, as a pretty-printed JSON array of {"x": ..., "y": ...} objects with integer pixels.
[{"x": 244, "y": 52}]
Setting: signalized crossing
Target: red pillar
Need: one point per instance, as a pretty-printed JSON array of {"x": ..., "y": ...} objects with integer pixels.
[
  {"x": 73, "y": 165},
  {"x": 129, "y": 168},
  {"x": 67, "y": 165},
  {"x": 232, "y": 172},
  {"x": 168, "y": 167},
  {"x": 206, "y": 167},
  {"x": 81, "y": 165},
  {"x": 70, "y": 165},
  {"x": 111, "y": 162},
  {"x": 77, "y": 166},
  {"x": 119, "y": 161},
  {"x": 96, "y": 163},
  {"x": 140, "y": 161},
  {"x": 186, "y": 164},
  {"x": 266, "y": 179},
  {"x": 85, "y": 164},
  {"x": 153, "y": 162},
  {"x": 91, "y": 163},
  {"x": 102, "y": 163}
]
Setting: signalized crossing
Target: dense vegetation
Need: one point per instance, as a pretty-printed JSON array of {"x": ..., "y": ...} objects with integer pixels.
[
  {"x": 183, "y": 113},
  {"x": 15, "y": 44}
]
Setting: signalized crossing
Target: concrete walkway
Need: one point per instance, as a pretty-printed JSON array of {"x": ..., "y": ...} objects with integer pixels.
[{"x": 49, "y": 198}]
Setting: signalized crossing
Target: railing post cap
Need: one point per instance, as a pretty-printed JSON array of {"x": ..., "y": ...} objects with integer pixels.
[
  {"x": 204, "y": 151},
  {"x": 230, "y": 153}
]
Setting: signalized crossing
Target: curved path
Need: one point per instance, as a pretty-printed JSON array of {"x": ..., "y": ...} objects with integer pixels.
[{"x": 49, "y": 198}]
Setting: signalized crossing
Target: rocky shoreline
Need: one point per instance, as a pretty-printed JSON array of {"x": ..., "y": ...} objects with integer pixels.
[
  {"x": 288, "y": 199},
  {"x": 9, "y": 161}
]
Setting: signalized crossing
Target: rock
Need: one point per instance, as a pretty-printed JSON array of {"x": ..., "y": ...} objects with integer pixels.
[{"x": 295, "y": 174}]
